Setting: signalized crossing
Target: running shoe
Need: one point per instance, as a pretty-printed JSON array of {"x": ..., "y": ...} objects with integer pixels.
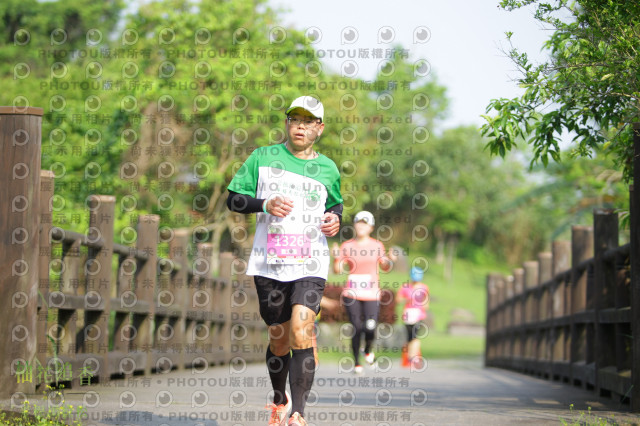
[
  {"x": 358, "y": 369},
  {"x": 279, "y": 412},
  {"x": 297, "y": 420},
  {"x": 370, "y": 358},
  {"x": 417, "y": 363}
]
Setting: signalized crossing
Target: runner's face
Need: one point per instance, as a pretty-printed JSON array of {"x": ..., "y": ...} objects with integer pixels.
[
  {"x": 363, "y": 229},
  {"x": 301, "y": 135}
]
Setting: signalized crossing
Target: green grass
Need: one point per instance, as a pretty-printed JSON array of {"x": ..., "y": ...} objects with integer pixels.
[{"x": 442, "y": 345}]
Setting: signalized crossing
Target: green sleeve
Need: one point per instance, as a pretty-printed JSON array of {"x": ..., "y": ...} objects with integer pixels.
[
  {"x": 245, "y": 180},
  {"x": 334, "y": 197}
]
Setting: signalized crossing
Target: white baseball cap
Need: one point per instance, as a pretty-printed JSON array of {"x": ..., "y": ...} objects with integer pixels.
[
  {"x": 366, "y": 216},
  {"x": 308, "y": 103}
]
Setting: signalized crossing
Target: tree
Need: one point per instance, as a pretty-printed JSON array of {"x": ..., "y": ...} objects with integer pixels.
[
  {"x": 383, "y": 147},
  {"x": 214, "y": 78},
  {"x": 589, "y": 85},
  {"x": 466, "y": 191}
]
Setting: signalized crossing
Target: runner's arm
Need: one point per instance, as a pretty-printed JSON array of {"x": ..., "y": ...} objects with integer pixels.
[
  {"x": 243, "y": 203},
  {"x": 337, "y": 258}
]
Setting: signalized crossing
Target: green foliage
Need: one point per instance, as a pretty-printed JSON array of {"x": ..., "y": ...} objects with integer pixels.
[
  {"x": 589, "y": 85},
  {"x": 382, "y": 151},
  {"x": 470, "y": 198},
  {"x": 166, "y": 91},
  {"x": 155, "y": 109}
]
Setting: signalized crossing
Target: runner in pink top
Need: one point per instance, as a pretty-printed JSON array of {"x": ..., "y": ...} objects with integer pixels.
[
  {"x": 360, "y": 257},
  {"x": 416, "y": 297}
]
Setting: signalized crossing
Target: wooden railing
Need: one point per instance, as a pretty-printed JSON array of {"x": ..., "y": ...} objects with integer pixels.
[
  {"x": 81, "y": 309},
  {"x": 574, "y": 314},
  {"x": 567, "y": 316}
]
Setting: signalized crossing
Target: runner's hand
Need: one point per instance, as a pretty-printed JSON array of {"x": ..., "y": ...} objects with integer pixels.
[
  {"x": 330, "y": 224},
  {"x": 279, "y": 206},
  {"x": 392, "y": 255}
]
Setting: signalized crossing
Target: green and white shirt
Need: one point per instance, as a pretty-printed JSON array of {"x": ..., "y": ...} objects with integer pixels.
[{"x": 292, "y": 247}]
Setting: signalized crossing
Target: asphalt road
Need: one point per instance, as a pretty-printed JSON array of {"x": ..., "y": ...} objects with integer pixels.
[{"x": 442, "y": 392}]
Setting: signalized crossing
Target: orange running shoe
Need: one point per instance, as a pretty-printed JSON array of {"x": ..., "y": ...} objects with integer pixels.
[
  {"x": 297, "y": 420},
  {"x": 279, "y": 412}
]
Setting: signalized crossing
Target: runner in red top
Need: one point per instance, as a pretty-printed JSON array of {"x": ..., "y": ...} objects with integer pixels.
[
  {"x": 360, "y": 257},
  {"x": 416, "y": 297}
]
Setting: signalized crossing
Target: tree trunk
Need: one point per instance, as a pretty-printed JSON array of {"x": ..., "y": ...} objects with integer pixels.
[
  {"x": 440, "y": 240},
  {"x": 452, "y": 241}
]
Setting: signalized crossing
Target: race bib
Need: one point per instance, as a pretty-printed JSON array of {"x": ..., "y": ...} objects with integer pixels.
[
  {"x": 284, "y": 248},
  {"x": 359, "y": 281},
  {"x": 411, "y": 315}
]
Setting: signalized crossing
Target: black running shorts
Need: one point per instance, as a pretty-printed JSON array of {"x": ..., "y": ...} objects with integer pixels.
[{"x": 276, "y": 298}]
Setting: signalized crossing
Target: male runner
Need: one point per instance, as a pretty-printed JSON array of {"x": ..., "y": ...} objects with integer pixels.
[{"x": 295, "y": 192}]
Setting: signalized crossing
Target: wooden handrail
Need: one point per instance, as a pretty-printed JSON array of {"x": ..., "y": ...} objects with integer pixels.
[{"x": 573, "y": 326}]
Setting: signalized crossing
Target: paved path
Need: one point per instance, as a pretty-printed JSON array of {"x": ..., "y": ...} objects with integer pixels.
[{"x": 446, "y": 392}]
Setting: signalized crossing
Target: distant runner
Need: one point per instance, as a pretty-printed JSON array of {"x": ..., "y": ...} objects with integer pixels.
[
  {"x": 416, "y": 297},
  {"x": 360, "y": 257}
]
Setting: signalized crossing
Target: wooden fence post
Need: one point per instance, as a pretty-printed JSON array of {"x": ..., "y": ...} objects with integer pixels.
[
  {"x": 581, "y": 250},
  {"x": 67, "y": 314},
  {"x": 492, "y": 327},
  {"x": 545, "y": 264},
  {"x": 44, "y": 258},
  {"x": 518, "y": 315},
  {"x": 145, "y": 287},
  {"x": 509, "y": 292},
  {"x": 510, "y": 318},
  {"x": 206, "y": 286},
  {"x": 561, "y": 263},
  {"x": 98, "y": 293},
  {"x": 179, "y": 289},
  {"x": 123, "y": 324},
  {"x": 543, "y": 331},
  {"x": 220, "y": 302},
  {"x": 499, "y": 314},
  {"x": 20, "y": 145},
  {"x": 225, "y": 275},
  {"x": 605, "y": 237},
  {"x": 530, "y": 307},
  {"x": 530, "y": 283},
  {"x": 634, "y": 197}
]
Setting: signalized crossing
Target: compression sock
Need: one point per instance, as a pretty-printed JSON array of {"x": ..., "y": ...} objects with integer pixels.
[
  {"x": 278, "y": 367},
  {"x": 301, "y": 372},
  {"x": 355, "y": 346},
  {"x": 369, "y": 337}
]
